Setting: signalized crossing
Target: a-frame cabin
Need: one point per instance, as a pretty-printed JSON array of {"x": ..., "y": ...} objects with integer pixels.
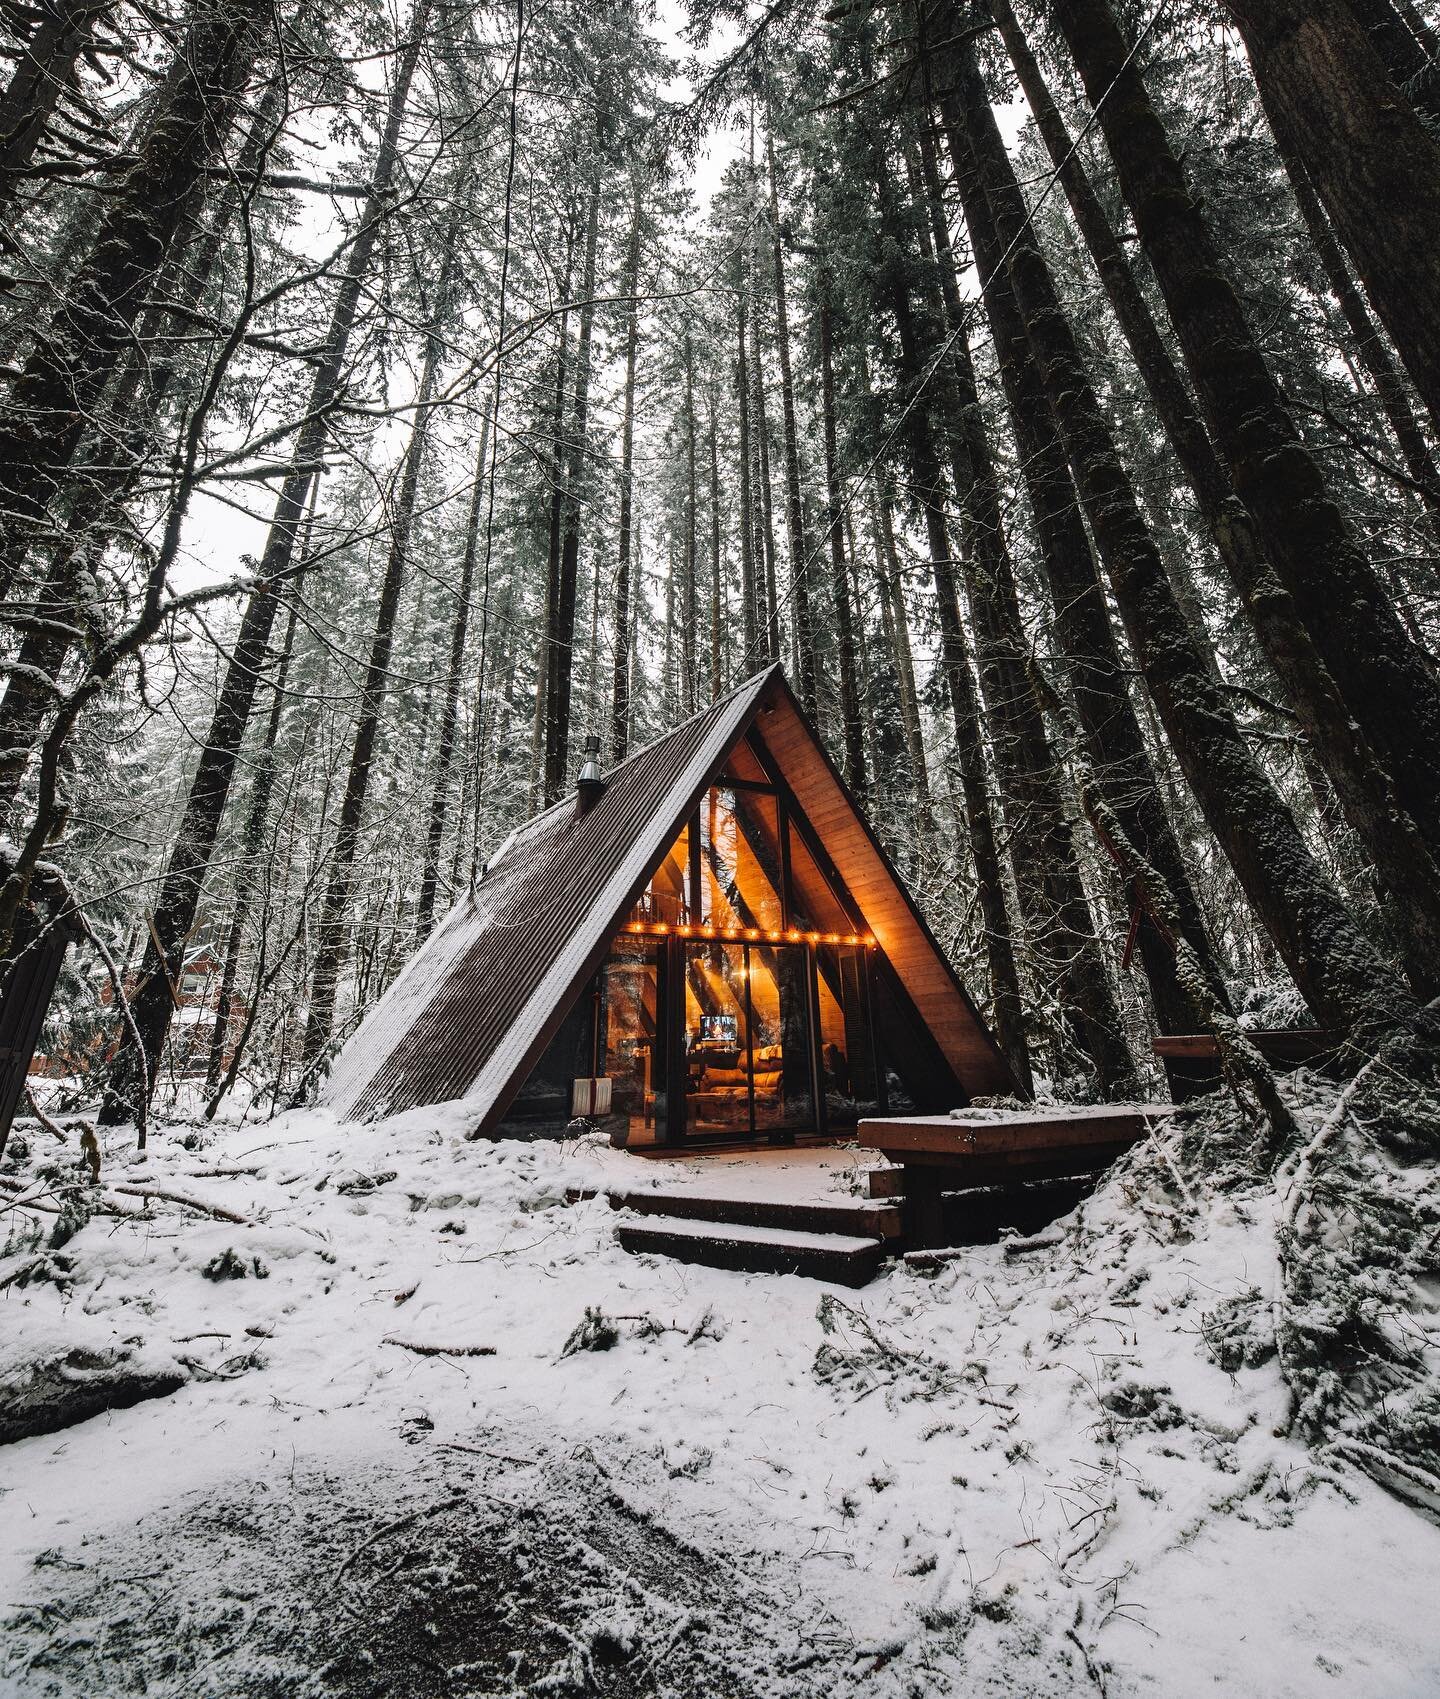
[{"x": 706, "y": 943}]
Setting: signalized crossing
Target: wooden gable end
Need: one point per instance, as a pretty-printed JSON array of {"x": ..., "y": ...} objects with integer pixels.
[{"x": 890, "y": 914}]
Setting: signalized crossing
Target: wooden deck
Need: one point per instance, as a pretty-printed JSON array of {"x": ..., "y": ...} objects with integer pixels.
[
  {"x": 943, "y": 1154},
  {"x": 1291, "y": 1048}
]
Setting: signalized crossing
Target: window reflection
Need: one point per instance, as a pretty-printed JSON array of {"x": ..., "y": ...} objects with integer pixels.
[
  {"x": 815, "y": 907},
  {"x": 740, "y": 865},
  {"x": 666, "y": 899},
  {"x": 632, "y": 1047},
  {"x": 747, "y": 1039},
  {"x": 847, "y": 1062},
  {"x": 781, "y": 1034},
  {"x": 719, "y": 1057}
]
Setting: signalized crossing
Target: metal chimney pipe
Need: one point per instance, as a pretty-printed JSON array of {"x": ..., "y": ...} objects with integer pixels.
[{"x": 590, "y": 786}]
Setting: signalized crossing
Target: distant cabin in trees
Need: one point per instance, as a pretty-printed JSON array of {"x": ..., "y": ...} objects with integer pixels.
[{"x": 706, "y": 943}]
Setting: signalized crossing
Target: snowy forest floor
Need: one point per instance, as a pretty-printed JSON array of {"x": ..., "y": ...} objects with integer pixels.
[{"x": 1053, "y": 1468}]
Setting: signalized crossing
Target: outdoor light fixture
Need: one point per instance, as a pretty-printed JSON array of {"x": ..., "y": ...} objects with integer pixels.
[{"x": 751, "y": 935}]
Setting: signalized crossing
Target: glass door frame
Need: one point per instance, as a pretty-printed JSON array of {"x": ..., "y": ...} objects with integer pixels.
[{"x": 678, "y": 1131}]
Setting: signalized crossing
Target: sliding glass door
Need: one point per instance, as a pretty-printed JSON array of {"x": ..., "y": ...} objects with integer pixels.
[{"x": 749, "y": 1062}]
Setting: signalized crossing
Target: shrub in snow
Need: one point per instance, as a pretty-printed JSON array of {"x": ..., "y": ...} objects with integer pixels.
[
  {"x": 230, "y": 1265},
  {"x": 595, "y": 1331}
]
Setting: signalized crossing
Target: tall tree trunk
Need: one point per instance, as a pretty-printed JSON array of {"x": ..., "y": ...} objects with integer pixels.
[
  {"x": 1374, "y": 164},
  {"x": 107, "y": 471},
  {"x": 549, "y": 662},
  {"x": 450, "y": 702},
  {"x": 561, "y": 646},
  {"x": 928, "y": 488},
  {"x": 1343, "y": 978},
  {"x": 1370, "y": 345},
  {"x": 333, "y": 931},
  {"x": 45, "y": 68},
  {"x": 852, "y": 725},
  {"x": 717, "y": 635},
  {"x": 248, "y": 875},
  {"x": 671, "y": 695},
  {"x": 76, "y": 353},
  {"x": 760, "y": 429},
  {"x": 689, "y": 696},
  {"x": 180, "y": 888},
  {"x": 1056, "y": 910},
  {"x": 1371, "y": 806},
  {"x": 620, "y": 690},
  {"x": 752, "y": 565},
  {"x": 1007, "y": 1004},
  {"x": 1385, "y": 680},
  {"x": 794, "y": 505},
  {"x": 1096, "y": 671},
  {"x": 892, "y": 593}
]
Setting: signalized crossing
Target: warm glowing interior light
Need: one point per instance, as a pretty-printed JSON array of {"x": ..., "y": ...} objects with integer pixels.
[
  {"x": 794, "y": 937},
  {"x": 870, "y": 940},
  {"x": 852, "y": 939},
  {"x": 660, "y": 931},
  {"x": 812, "y": 937},
  {"x": 774, "y": 937},
  {"x": 832, "y": 937},
  {"x": 752, "y": 934}
]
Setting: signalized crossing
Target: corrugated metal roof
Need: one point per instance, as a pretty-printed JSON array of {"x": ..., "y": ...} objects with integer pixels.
[
  {"x": 470, "y": 1015},
  {"x": 467, "y": 1016}
]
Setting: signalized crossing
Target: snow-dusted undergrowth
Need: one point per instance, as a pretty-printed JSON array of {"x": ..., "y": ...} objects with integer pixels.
[{"x": 1053, "y": 1467}]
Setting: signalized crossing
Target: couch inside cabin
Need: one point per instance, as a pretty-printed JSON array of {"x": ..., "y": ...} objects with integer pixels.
[{"x": 720, "y": 1080}]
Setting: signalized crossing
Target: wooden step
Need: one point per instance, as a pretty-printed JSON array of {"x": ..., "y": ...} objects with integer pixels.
[
  {"x": 885, "y": 1182},
  {"x": 841, "y": 1259},
  {"x": 855, "y": 1217},
  {"x": 944, "y": 1154}
]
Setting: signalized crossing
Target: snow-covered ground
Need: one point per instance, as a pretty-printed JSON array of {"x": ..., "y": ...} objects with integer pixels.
[{"x": 1052, "y": 1468}]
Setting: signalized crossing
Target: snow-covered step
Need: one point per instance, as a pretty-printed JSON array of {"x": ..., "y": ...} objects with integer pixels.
[
  {"x": 842, "y": 1259},
  {"x": 857, "y": 1217}
]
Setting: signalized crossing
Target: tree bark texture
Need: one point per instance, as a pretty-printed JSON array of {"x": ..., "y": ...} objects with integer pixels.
[
  {"x": 76, "y": 353},
  {"x": 1343, "y": 978},
  {"x": 1385, "y": 680}
]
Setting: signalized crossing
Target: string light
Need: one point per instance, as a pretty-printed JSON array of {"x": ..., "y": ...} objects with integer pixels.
[{"x": 751, "y": 935}]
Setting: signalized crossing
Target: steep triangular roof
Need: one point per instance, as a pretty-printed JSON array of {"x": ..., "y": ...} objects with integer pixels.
[{"x": 471, "y": 1014}]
